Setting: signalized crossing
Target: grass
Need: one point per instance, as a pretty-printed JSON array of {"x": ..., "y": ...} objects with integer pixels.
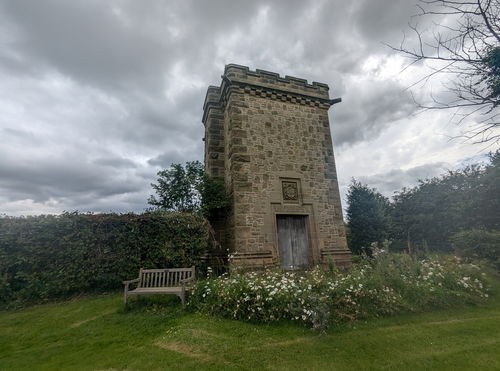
[{"x": 97, "y": 333}]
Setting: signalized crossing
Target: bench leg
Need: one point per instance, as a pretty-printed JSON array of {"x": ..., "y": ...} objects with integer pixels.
[{"x": 183, "y": 296}]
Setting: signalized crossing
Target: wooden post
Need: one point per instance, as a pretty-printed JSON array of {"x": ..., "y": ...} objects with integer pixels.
[
  {"x": 125, "y": 296},
  {"x": 183, "y": 295}
]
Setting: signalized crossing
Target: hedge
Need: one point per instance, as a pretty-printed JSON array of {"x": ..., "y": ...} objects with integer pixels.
[
  {"x": 478, "y": 244},
  {"x": 56, "y": 256}
]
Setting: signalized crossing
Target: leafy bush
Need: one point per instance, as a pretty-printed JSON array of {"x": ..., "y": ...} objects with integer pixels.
[
  {"x": 214, "y": 197},
  {"x": 382, "y": 286},
  {"x": 367, "y": 217},
  {"x": 426, "y": 216},
  {"x": 478, "y": 244},
  {"x": 48, "y": 256},
  {"x": 178, "y": 187},
  {"x": 187, "y": 188}
]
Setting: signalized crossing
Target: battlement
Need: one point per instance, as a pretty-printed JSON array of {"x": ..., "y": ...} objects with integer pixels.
[
  {"x": 235, "y": 72},
  {"x": 272, "y": 80},
  {"x": 268, "y": 84}
]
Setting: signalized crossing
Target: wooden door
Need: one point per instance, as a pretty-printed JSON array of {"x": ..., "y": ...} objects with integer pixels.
[{"x": 293, "y": 241}]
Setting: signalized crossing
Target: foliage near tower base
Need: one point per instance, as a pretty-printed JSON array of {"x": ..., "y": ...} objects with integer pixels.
[
  {"x": 382, "y": 286},
  {"x": 478, "y": 244}
]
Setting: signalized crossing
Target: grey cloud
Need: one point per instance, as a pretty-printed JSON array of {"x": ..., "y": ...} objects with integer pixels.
[
  {"x": 120, "y": 203},
  {"x": 43, "y": 179},
  {"x": 17, "y": 134},
  {"x": 122, "y": 45},
  {"x": 115, "y": 162},
  {"x": 96, "y": 96},
  {"x": 395, "y": 179},
  {"x": 364, "y": 113},
  {"x": 167, "y": 158},
  {"x": 86, "y": 40},
  {"x": 383, "y": 20}
]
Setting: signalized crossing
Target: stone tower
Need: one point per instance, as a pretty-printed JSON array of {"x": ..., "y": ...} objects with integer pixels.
[{"x": 269, "y": 138}]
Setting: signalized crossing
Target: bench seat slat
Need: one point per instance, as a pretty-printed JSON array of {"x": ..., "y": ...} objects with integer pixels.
[{"x": 150, "y": 290}]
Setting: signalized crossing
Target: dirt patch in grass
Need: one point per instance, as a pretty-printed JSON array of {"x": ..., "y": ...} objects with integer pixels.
[
  {"x": 438, "y": 323},
  {"x": 184, "y": 349},
  {"x": 458, "y": 321},
  {"x": 281, "y": 343},
  {"x": 204, "y": 333},
  {"x": 79, "y": 323}
]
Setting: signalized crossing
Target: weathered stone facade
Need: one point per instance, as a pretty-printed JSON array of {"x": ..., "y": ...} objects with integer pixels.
[{"x": 269, "y": 138}]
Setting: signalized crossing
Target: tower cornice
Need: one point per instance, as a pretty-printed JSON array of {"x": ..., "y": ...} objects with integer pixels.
[{"x": 268, "y": 85}]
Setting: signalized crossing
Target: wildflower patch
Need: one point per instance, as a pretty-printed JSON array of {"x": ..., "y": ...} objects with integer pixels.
[{"x": 383, "y": 286}]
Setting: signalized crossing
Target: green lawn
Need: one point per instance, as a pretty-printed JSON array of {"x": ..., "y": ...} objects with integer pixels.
[{"x": 96, "y": 333}]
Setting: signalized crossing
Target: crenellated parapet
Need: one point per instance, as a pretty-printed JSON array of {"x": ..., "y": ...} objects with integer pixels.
[
  {"x": 269, "y": 85},
  {"x": 272, "y": 80}
]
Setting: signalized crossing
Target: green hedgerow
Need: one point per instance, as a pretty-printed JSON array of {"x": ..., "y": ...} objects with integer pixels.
[
  {"x": 49, "y": 257},
  {"x": 381, "y": 286}
]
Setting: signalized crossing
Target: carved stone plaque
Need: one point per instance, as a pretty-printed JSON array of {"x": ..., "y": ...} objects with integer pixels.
[{"x": 290, "y": 191}]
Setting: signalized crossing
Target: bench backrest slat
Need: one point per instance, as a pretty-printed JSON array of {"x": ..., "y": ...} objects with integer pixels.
[{"x": 152, "y": 278}]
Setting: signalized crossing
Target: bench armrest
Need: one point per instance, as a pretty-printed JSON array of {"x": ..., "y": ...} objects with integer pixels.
[{"x": 131, "y": 281}]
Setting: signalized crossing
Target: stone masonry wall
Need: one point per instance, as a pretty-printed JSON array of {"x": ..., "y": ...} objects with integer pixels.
[{"x": 276, "y": 158}]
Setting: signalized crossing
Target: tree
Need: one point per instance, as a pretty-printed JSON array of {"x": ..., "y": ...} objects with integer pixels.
[
  {"x": 465, "y": 48},
  {"x": 435, "y": 215},
  {"x": 487, "y": 195},
  {"x": 366, "y": 217},
  {"x": 478, "y": 244},
  {"x": 428, "y": 215},
  {"x": 178, "y": 188},
  {"x": 425, "y": 216},
  {"x": 188, "y": 189},
  {"x": 214, "y": 198}
]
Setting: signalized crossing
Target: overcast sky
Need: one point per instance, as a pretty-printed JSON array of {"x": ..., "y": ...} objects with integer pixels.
[{"x": 97, "y": 96}]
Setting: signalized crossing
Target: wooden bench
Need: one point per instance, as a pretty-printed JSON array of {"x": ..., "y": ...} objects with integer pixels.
[{"x": 161, "y": 281}]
